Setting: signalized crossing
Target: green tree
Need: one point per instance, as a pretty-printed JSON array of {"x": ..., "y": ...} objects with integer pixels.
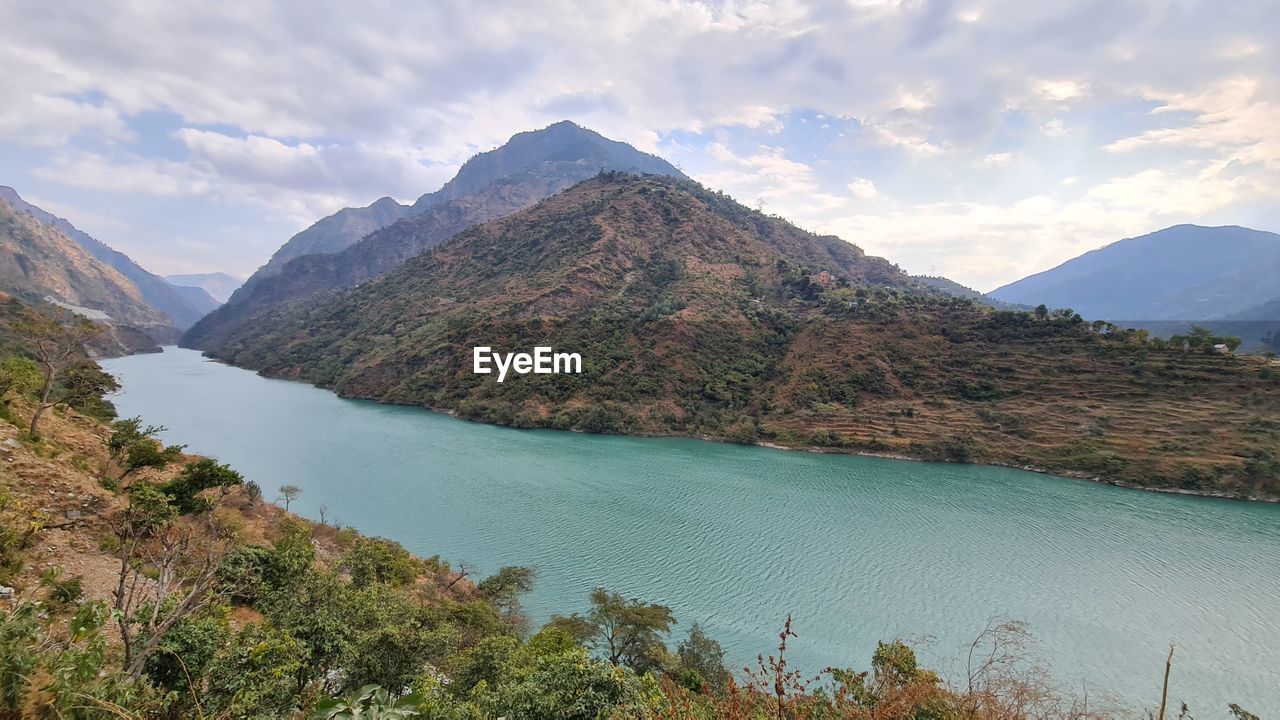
[
  {"x": 701, "y": 661},
  {"x": 195, "y": 478},
  {"x": 187, "y": 649},
  {"x": 254, "y": 675},
  {"x": 376, "y": 560},
  {"x": 572, "y": 686},
  {"x": 56, "y": 341},
  {"x": 19, "y": 375},
  {"x": 134, "y": 446},
  {"x": 626, "y": 631},
  {"x": 504, "y": 589}
]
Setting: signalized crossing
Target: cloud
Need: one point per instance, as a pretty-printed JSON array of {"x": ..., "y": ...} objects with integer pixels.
[
  {"x": 141, "y": 176},
  {"x": 863, "y": 188},
  {"x": 994, "y": 160},
  {"x": 296, "y": 109},
  {"x": 767, "y": 177}
]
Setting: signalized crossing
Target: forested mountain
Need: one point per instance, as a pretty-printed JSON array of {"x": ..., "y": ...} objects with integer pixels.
[
  {"x": 155, "y": 291},
  {"x": 1183, "y": 273},
  {"x": 529, "y": 167},
  {"x": 695, "y": 315},
  {"x": 219, "y": 285},
  {"x": 39, "y": 262}
]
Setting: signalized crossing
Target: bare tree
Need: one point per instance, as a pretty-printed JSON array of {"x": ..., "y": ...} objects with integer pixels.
[
  {"x": 184, "y": 560},
  {"x": 56, "y": 340},
  {"x": 289, "y": 493}
]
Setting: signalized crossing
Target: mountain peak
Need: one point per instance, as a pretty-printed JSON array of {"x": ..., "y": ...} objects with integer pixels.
[{"x": 563, "y": 147}]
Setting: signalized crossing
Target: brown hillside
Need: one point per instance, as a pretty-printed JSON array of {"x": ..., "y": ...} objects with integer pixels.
[{"x": 695, "y": 315}]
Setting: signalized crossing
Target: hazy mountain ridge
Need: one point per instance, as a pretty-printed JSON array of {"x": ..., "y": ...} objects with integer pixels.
[
  {"x": 695, "y": 315},
  {"x": 335, "y": 232},
  {"x": 529, "y": 167},
  {"x": 218, "y": 285},
  {"x": 155, "y": 291},
  {"x": 950, "y": 287},
  {"x": 1184, "y": 273}
]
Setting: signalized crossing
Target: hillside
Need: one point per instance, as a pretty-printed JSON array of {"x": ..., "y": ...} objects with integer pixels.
[
  {"x": 143, "y": 581},
  {"x": 695, "y": 315},
  {"x": 947, "y": 286},
  {"x": 1183, "y": 273},
  {"x": 38, "y": 262},
  {"x": 181, "y": 309},
  {"x": 219, "y": 285},
  {"x": 196, "y": 297},
  {"x": 529, "y": 167}
]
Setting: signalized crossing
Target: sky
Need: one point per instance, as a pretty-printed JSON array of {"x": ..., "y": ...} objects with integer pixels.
[{"x": 982, "y": 140}]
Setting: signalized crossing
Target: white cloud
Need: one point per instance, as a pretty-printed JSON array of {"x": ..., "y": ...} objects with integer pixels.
[
  {"x": 767, "y": 176},
  {"x": 863, "y": 188},
  {"x": 1058, "y": 91},
  {"x": 994, "y": 160},
  {"x": 1054, "y": 128},
  {"x": 301, "y": 108}
]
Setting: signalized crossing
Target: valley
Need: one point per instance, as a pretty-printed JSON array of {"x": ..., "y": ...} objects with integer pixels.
[
  {"x": 697, "y": 316},
  {"x": 737, "y": 537}
]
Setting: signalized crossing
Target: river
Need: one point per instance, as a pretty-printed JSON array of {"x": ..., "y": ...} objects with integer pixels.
[{"x": 735, "y": 537}]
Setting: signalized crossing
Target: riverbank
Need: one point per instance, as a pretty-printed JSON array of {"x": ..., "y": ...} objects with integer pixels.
[{"x": 736, "y": 537}]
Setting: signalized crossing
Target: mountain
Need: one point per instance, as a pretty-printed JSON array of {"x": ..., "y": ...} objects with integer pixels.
[
  {"x": 218, "y": 285},
  {"x": 335, "y": 232},
  {"x": 39, "y": 263},
  {"x": 563, "y": 148},
  {"x": 154, "y": 289},
  {"x": 529, "y": 167},
  {"x": 950, "y": 287},
  {"x": 694, "y": 315},
  {"x": 197, "y": 297},
  {"x": 1183, "y": 273}
]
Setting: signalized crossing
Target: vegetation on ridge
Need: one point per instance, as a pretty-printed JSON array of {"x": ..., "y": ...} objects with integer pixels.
[{"x": 695, "y": 315}]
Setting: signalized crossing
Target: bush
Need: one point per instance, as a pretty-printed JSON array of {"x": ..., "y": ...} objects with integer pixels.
[{"x": 196, "y": 477}]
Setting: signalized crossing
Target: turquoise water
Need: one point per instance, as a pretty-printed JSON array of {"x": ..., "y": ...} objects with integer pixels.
[{"x": 734, "y": 537}]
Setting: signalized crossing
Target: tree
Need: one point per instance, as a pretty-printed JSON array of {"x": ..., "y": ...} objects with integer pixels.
[
  {"x": 289, "y": 493},
  {"x": 1042, "y": 311},
  {"x": 134, "y": 446},
  {"x": 702, "y": 662},
  {"x": 167, "y": 572},
  {"x": 21, "y": 375},
  {"x": 375, "y": 560},
  {"x": 628, "y": 632},
  {"x": 56, "y": 341},
  {"x": 196, "y": 477},
  {"x": 504, "y": 589}
]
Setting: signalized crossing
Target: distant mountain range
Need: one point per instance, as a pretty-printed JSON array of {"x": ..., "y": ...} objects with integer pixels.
[
  {"x": 357, "y": 244},
  {"x": 1181, "y": 273},
  {"x": 218, "y": 285},
  {"x": 183, "y": 309},
  {"x": 1223, "y": 278}
]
